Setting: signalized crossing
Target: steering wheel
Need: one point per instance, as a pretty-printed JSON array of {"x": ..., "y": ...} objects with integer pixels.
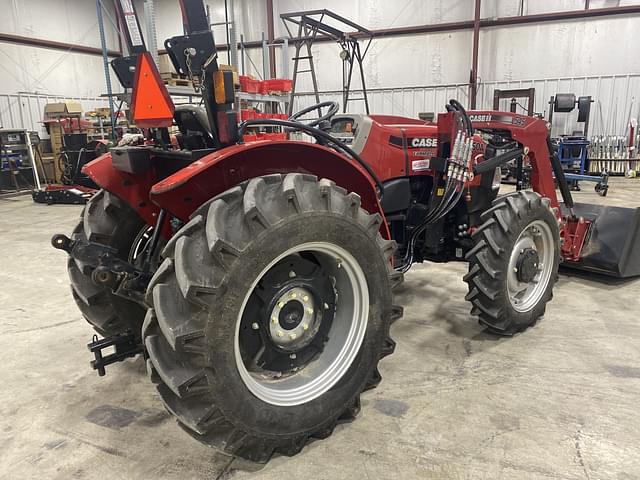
[{"x": 333, "y": 108}]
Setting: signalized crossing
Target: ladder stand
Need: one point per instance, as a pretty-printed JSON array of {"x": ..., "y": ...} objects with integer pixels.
[{"x": 313, "y": 24}]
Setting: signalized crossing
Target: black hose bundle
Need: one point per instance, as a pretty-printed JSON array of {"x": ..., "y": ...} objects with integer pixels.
[{"x": 454, "y": 189}]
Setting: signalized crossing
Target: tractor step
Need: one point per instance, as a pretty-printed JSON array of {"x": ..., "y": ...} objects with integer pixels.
[{"x": 125, "y": 346}]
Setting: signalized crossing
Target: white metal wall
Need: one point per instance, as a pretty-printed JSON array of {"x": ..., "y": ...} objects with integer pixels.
[
  {"x": 596, "y": 53},
  {"x": 53, "y": 72},
  {"x": 26, "y": 110},
  {"x": 616, "y": 100}
]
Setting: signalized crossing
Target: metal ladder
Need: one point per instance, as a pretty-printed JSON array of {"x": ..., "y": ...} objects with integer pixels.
[{"x": 308, "y": 35}]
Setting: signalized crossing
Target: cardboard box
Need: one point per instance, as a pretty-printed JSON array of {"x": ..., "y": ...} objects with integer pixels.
[
  {"x": 164, "y": 64},
  {"x": 50, "y": 169},
  {"x": 55, "y": 132},
  {"x": 103, "y": 112},
  {"x": 62, "y": 109}
]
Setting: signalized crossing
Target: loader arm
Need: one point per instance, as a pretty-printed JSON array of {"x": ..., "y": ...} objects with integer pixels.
[{"x": 533, "y": 134}]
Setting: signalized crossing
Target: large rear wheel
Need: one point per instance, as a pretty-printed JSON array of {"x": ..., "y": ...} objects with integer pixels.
[
  {"x": 514, "y": 263},
  {"x": 109, "y": 221},
  {"x": 270, "y": 313}
]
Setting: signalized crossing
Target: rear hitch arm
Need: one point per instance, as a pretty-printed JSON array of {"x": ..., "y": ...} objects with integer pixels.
[
  {"x": 126, "y": 346},
  {"x": 124, "y": 279}
]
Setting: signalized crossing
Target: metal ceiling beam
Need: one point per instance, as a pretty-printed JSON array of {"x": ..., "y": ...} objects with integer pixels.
[
  {"x": 488, "y": 22},
  {"x": 559, "y": 16},
  {"x": 52, "y": 44}
]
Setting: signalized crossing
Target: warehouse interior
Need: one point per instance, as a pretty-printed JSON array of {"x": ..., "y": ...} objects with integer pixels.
[{"x": 218, "y": 216}]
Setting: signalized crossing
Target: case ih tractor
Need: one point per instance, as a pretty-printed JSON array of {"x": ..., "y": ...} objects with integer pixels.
[{"x": 256, "y": 278}]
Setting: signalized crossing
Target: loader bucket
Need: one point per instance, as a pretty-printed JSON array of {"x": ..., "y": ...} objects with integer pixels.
[{"x": 613, "y": 244}]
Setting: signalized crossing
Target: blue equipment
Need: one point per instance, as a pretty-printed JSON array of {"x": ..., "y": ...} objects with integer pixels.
[{"x": 572, "y": 152}]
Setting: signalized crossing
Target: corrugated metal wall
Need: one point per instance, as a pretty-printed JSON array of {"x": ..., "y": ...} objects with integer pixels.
[
  {"x": 615, "y": 100},
  {"x": 26, "y": 110}
]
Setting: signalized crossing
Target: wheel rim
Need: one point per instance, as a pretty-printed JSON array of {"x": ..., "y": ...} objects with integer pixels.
[
  {"x": 140, "y": 244},
  {"x": 317, "y": 339},
  {"x": 530, "y": 266}
]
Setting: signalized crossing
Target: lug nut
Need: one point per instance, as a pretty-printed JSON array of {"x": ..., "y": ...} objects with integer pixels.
[
  {"x": 280, "y": 304},
  {"x": 305, "y": 298},
  {"x": 274, "y": 320},
  {"x": 292, "y": 336},
  {"x": 255, "y": 326},
  {"x": 294, "y": 295},
  {"x": 310, "y": 311},
  {"x": 305, "y": 327},
  {"x": 279, "y": 333}
]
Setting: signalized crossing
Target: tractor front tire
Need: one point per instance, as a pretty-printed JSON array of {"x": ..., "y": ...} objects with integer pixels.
[
  {"x": 514, "y": 263},
  {"x": 269, "y": 315},
  {"x": 107, "y": 220}
]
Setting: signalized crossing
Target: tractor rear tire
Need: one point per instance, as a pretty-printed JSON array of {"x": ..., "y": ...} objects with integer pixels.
[
  {"x": 223, "y": 361},
  {"x": 109, "y": 221},
  {"x": 514, "y": 263}
]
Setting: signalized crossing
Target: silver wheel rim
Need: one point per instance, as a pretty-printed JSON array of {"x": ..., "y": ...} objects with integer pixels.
[
  {"x": 140, "y": 243},
  {"x": 344, "y": 337},
  {"x": 537, "y": 236}
]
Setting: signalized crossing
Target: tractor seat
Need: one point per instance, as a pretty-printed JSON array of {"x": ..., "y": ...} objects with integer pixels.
[{"x": 194, "y": 126}]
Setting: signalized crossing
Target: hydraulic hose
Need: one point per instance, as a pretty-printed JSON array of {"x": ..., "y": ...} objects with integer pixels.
[
  {"x": 467, "y": 121},
  {"x": 318, "y": 134},
  {"x": 449, "y": 200}
]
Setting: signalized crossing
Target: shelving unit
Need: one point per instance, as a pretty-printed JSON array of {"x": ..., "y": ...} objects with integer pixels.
[{"x": 269, "y": 100}]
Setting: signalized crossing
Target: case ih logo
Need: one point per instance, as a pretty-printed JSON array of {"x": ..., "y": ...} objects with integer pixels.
[
  {"x": 514, "y": 120},
  {"x": 427, "y": 142},
  {"x": 480, "y": 118}
]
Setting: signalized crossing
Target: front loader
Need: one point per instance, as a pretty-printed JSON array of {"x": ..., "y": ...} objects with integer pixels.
[{"x": 256, "y": 278}]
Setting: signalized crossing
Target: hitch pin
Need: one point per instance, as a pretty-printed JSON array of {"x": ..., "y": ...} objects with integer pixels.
[{"x": 62, "y": 242}]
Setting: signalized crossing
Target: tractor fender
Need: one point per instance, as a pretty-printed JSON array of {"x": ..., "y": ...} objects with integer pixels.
[
  {"x": 187, "y": 189},
  {"x": 130, "y": 188}
]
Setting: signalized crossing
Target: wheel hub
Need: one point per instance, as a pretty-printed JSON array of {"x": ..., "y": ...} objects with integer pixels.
[
  {"x": 293, "y": 321},
  {"x": 530, "y": 266},
  {"x": 527, "y": 265},
  {"x": 302, "y": 323}
]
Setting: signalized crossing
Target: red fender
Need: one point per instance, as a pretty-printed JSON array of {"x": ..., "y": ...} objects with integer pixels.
[
  {"x": 133, "y": 189},
  {"x": 184, "y": 191}
]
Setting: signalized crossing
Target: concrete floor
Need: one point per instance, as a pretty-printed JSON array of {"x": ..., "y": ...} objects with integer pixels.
[{"x": 558, "y": 401}]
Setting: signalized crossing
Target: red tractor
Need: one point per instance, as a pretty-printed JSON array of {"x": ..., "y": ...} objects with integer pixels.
[{"x": 256, "y": 278}]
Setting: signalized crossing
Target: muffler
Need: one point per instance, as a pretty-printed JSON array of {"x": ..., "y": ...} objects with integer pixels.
[{"x": 612, "y": 246}]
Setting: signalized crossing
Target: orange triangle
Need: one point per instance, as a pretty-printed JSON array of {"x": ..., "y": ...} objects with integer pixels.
[{"x": 152, "y": 106}]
